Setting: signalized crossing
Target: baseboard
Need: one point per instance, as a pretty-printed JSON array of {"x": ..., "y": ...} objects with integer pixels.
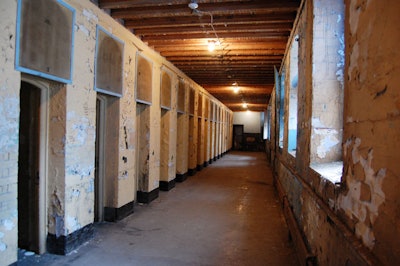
[
  {"x": 147, "y": 197},
  {"x": 181, "y": 177},
  {"x": 63, "y": 245},
  {"x": 192, "y": 172},
  {"x": 199, "y": 167},
  {"x": 167, "y": 185},
  {"x": 117, "y": 214}
]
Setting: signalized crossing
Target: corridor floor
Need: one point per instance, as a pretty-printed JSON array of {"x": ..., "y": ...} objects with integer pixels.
[{"x": 226, "y": 214}]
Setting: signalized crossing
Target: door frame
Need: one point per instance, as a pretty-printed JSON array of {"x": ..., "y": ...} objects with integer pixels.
[
  {"x": 43, "y": 156},
  {"x": 234, "y": 131}
]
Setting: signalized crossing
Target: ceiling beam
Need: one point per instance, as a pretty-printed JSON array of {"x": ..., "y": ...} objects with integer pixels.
[
  {"x": 115, "y": 4},
  {"x": 243, "y": 52},
  {"x": 231, "y": 8},
  {"x": 249, "y": 28},
  {"x": 218, "y": 20},
  {"x": 268, "y": 36}
]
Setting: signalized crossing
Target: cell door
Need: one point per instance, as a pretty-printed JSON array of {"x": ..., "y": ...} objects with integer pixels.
[
  {"x": 99, "y": 160},
  {"x": 237, "y": 137},
  {"x": 30, "y": 174}
]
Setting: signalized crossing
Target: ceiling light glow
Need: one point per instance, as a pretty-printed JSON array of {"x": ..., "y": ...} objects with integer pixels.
[{"x": 211, "y": 46}]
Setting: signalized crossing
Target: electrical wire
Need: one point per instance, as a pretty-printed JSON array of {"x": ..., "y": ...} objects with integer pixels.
[{"x": 211, "y": 22}]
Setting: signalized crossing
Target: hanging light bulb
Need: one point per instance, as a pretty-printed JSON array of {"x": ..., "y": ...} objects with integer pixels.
[
  {"x": 211, "y": 45},
  {"x": 244, "y": 105},
  {"x": 193, "y": 5}
]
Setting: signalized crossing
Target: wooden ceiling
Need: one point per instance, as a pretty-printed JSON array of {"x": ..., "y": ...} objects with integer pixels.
[{"x": 252, "y": 33}]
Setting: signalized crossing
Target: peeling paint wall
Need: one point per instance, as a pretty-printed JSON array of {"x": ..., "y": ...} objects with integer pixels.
[
  {"x": 356, "y": 221},
  {"x": 172, "y": 165},
  {"x": 57, "y": 151},
  {"x": 183, "y": 133},
  {"x": 372, "y": 125},
  {"x": 70, "y": 182},
  {"x": 193, "y": 133},
  {"x": 9, "y": 123},
  {"x": 155, "y": 122}
]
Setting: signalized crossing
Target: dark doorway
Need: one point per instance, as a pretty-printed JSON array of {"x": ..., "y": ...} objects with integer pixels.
[
  {"x": 237, "y": 137},
  {"x": 99, "y": 159},
  {"x": 28, "y": 167}
]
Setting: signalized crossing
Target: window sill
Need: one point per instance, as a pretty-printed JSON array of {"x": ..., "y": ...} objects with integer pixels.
[{"x": 330, "y": 171}]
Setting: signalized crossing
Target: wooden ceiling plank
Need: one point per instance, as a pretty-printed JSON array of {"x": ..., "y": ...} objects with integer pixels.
[
  {"x": 244, "y": 35},
  {"x": 223, "y": 53},
  {"x": 147, "y": 23},
  {"x": 253, "y": 35},
  {"x": 179, "y": 10},
  {"x": 115, "y": 4},
  {"x": 262, "y": 27}
]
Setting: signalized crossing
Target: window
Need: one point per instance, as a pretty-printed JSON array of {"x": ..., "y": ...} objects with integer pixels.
[
  {"x": 327, "y": 86},
  {"x": 144, "y": 80},
  {"x": 109, "y": 63},
  {"x": 292, "y": 99},
  {"x": 45, "y": 28},
  {"x": 280, "y": 88},
  {"x": 267, "y": 123},
  {"x": 166, "y": 87}
]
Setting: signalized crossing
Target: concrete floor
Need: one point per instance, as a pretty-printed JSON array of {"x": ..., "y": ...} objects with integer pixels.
[{"x": 227, "y": 214}]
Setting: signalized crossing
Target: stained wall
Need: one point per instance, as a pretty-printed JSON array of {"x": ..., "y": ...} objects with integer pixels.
[
  {"x": 70, "y": 178},
  {"x": 354, "y": 220},
  {"x": 9, "y": 118}
]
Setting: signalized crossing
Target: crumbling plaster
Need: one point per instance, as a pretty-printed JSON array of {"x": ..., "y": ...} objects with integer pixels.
[
  {"x": 72, "y": 128},
  {"x": 355, "y": 221},
  {"x": 372, "y": 123},
  {"x": 173, "y": 130}
]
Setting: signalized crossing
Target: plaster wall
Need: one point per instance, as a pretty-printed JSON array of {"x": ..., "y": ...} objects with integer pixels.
[
  {"x": 72, "y": 129},
  {"x": 371, "y": 116},
  {"x": 173, "y": 131},
  {"x": 182, "y": 146},
  {"x": 9, "y": 123},
  {"x": 250, "y": 121},
  {"x": 155, "y": 123},
  {"x": 354, "y": 222},
  {"x": 193, "y": 135},
  {"x": 201, "y": 137}
]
